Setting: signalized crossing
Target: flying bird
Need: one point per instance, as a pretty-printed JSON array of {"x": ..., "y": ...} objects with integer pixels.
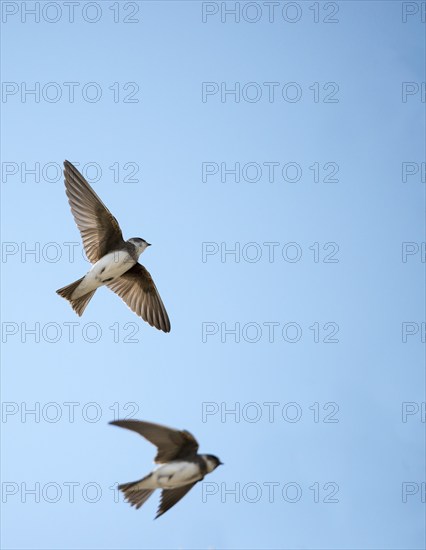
[
  {"x": 115, "y": 261},
  {"x": 180, "y": 467}
]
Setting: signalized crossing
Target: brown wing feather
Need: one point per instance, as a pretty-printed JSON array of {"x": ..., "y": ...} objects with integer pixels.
[
  {"x": 99, "y": 229},
  {"x": 169, "y": 497},
  {"x": 138, "y": 290},
  {"x": 171, "y": 444}
]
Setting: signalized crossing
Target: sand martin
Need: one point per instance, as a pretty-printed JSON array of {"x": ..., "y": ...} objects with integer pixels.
[
  {"x": 115, "y": 261},
  {"x": 180, "y": 467}
]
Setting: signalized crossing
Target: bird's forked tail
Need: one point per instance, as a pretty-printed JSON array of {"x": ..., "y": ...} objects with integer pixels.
[
  {"x": 134, "y": 495},
  {"x": 79, "y": 304}
]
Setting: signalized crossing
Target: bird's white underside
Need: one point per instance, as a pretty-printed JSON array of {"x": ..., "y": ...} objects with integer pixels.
[
  {"x": 110, "y": 266},
  {"x": 170, "y": 476}
]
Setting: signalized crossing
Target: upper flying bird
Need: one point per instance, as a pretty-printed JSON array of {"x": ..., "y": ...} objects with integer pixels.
[
  {"x": 180, "y": 465},
  {"x": 115, "y": 260}
]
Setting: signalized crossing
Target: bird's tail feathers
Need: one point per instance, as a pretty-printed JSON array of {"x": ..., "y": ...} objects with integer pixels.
[
  {"x": 134, "y": 495},
  {"x": 79, "y": 304}
]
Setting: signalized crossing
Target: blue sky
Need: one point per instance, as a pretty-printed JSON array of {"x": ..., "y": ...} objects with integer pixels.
[{"x": 287, "y": 222}]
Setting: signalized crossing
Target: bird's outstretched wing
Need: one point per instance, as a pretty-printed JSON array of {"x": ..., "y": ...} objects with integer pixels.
[
  {"x": 171, "y": 444},
  {"x": 99, "y": 229},
  {"x": 169, "y": 497},
  {"x": 138, "y": 290}
]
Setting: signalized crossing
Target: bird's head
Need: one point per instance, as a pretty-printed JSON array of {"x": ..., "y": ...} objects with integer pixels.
[
  {"x": 212, "y": 462},
  {"x": 139, "y": 243}
]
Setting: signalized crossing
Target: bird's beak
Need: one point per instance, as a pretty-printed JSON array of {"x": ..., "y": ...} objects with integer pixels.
[
  {"x": 221, "y": 463},
  {"x": 148, "y": 244}
]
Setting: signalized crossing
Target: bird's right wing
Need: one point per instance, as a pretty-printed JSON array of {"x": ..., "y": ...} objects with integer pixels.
[
  {"x": 169, "y": 497},
  {"x": 138, "y": 290},
  {"x": 171, "y": 444},
  {"x": 98, "y": 227}
]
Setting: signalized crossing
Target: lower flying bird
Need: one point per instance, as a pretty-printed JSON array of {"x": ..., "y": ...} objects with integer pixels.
[
  {"x": 180, "y": 467},
  {"x": 115, "y": 261}
]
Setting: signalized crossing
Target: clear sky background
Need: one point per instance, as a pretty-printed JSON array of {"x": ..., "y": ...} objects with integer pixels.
[{"x": 325, "y": 368}]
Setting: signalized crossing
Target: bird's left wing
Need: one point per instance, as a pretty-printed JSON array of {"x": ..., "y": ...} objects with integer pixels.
[
  {"x": 98, "y": 227},
  {"x": 169, "y": 497},
  {"x": 171, "y": 444},
  {"x": 138, "y": 290}
]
